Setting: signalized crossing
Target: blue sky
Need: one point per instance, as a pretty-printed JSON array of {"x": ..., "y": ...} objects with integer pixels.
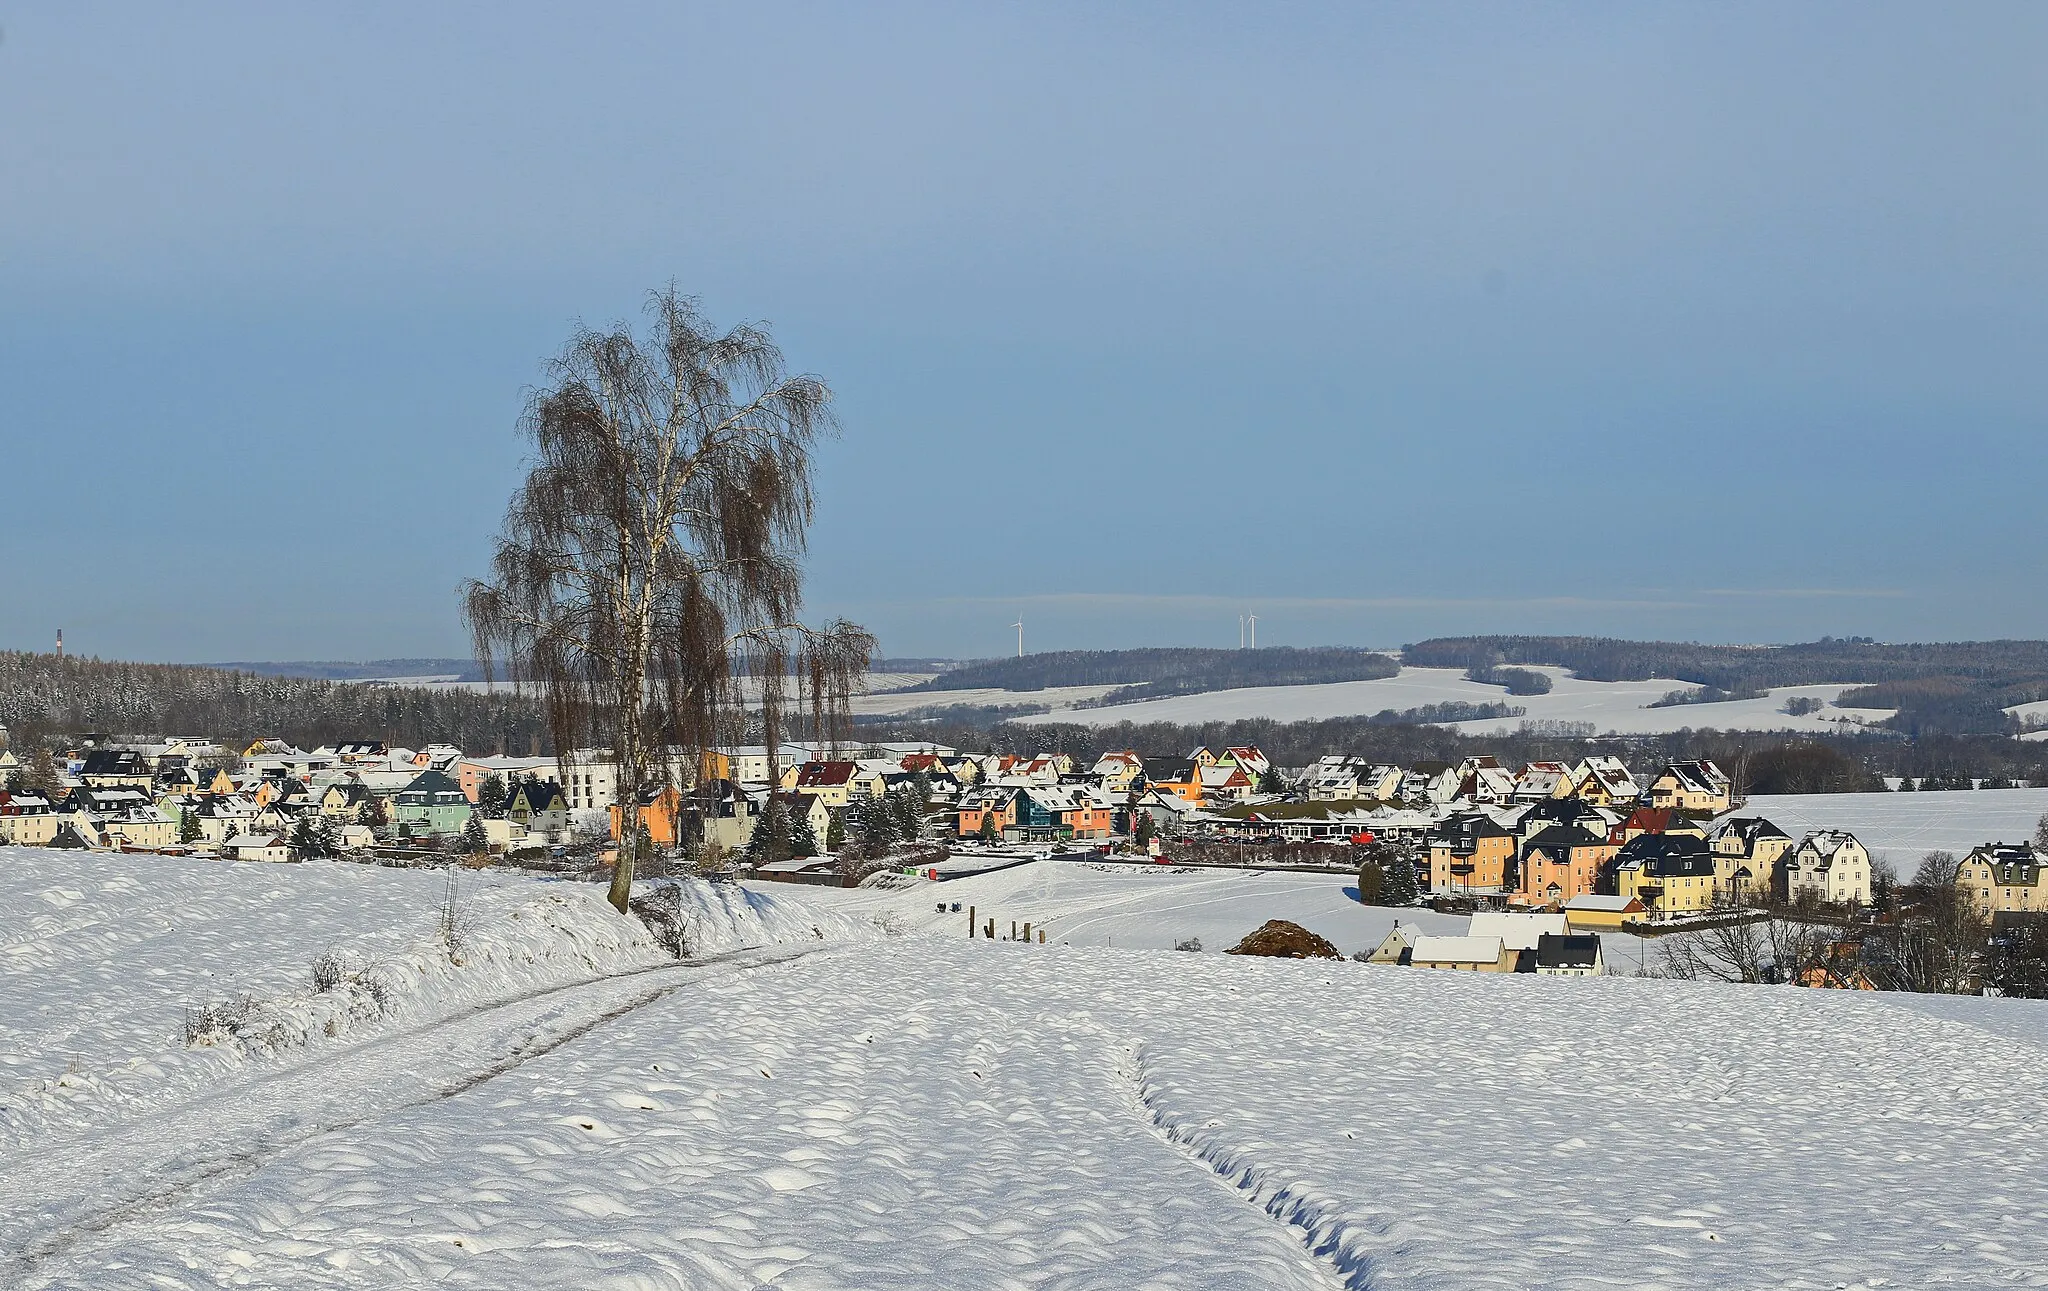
[{"x": 1719, "y": 322}]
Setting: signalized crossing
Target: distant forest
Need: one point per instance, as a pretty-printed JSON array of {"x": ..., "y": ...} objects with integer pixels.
[
  {"x": 1155, "y": 673},
  {"x": 1945, "y": 688},
  {"x": 40, "y": 692}
]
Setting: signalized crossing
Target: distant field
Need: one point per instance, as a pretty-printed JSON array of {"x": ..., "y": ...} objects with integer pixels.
[
  {"x": 1903, "y": 827},
  {"x": 1618, "y": 706}
]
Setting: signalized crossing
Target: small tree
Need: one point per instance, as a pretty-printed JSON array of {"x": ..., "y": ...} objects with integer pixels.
[
  {"x": 42, "y": 772},
  {"x": 803, "y": 838},
  {"x": 1144, "y": 832},
  {"x": 304, "y": 841},
  {"x": 1371, "y": 881},
  {"x": 835, "y": 830},
  {"x": 770, "y": 841},
  {"x": 371, "y": 813},
  {"x": 491, "y": 796},
  {"x": 188, "y": 826},
  {"x": 475, "y": 842}
]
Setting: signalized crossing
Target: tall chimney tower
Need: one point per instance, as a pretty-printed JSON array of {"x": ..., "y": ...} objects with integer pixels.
[{"x": 60, "y": 643}]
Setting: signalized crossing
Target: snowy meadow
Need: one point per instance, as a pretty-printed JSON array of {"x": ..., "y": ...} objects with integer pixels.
[{"x": 812, "y": 1102}]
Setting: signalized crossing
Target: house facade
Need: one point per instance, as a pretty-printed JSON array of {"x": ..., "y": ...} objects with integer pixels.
[{"x": 2001, "y": 878}]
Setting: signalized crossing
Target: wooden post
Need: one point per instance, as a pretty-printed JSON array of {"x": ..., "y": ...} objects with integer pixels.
[
  {"x": 970, "y": 923},
  {"x": 1027, "y": 930},
  {"x": 1013, "y": 930},
  {"x": 988, "y": 929},
  {"x": 1041, "y": 936}
]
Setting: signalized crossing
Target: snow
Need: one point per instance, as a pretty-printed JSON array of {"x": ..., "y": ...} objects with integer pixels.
[
  {"x": 819, "y": 1107},
  {"x": 918, "y": 1113},
  {"x": 103, "y": 956},
  {"x": 1903, "y": 827},
  {"x": 1619, "y": 707},
  {"x": 1102, "y": 903}
]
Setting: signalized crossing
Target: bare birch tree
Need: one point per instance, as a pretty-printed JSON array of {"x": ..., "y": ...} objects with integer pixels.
[{"x": 649, "y": 571}]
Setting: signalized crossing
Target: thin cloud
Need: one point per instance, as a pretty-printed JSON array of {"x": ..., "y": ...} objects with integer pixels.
[
  {"x": 1803, "y": 593},
  {"x": 1207, "y": 602}
]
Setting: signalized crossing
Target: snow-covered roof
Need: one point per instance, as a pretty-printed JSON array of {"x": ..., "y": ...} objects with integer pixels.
[
  {"x": 1610, "y": 905},
  {"x": 1456, "y": 950},
  {"x": 1515, "y": 931}
]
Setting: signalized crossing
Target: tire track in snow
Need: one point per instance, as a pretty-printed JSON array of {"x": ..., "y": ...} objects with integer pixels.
[
  {"x": 130, "y": 1172},
  {"x": 1336, "y": 1243}
]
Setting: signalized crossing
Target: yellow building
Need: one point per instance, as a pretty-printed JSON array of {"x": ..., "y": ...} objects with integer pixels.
[{"x": 2000, "y": 878}]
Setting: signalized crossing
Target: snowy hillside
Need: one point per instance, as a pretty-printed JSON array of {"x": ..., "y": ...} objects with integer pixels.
[
  {"x": 919, "y": 1113},
  {"x": 1620, "y": 706},
  {"x": 1903, "y": 827}
]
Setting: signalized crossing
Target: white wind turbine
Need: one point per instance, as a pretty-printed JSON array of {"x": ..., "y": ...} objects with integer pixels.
[{"x": 1019, "y": 625}]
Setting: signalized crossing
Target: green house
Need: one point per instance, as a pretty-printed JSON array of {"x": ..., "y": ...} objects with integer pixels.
[{"x": 431, "y": 804}]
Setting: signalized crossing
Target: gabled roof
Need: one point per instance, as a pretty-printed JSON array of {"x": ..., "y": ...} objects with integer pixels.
[
  {"x": 1456, "y": 950},
  {"x": 819, "y": 775},
  {"x": 1515, "y": 931},
  {"x": 1568, "y": 950}
]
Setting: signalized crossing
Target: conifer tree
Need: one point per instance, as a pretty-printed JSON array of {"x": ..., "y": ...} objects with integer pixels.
[
  {"x": 491, "y": 797},
  {"x": 474, "y": 841}
]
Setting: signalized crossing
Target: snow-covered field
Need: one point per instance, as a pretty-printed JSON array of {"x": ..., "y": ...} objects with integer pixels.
[
  {"x": 922, "y": 1111},
  {"x": 1087, "y": 903},
  {"x": 1619, "y": 707},
  {"x": 1903, "y": 827}
]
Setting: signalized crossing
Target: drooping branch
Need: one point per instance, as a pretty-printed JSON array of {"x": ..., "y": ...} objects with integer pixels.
[{"x": 652, "y": 562}]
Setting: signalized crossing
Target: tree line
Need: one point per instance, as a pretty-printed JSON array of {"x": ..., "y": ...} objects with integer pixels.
[
  {"x": 1151, "y": 673},
  {"x": 41, "y": 693}
]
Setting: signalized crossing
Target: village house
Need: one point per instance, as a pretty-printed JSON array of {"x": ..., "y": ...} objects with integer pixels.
[
  {"x": 470, "y": 773},
  {"x": 838, "y": 783},
  {"x": 1671, "y": 874},
  {"x": 1604, "y": 782},
  {"x": 1221, "y": 783},
  {"x": 1698, "y": 787},
  {"x": 2002, "y": 878},
  {"x": 1830, "y": 866},
  {"x": 1560, "y": 862},
  {"x": 1048, "y": 812},
  {"x": 1118, "y": 771},
  {"x": 1518, "y": 934},
  {"x": 1395, "y": 947},
  {"x": 1601, "y": 912},
  {"x": 1569, "y": 955},
  {"x": 257, "y": 847},
  {"x": 1470, "y": 852},
  {"x": 27, "y": 819},
  {"x": 993, "y": 809},
  {"x": 1180, "y": 777},
  {"x": 110, "y": 768},
  {"x": 539, "y": 806},
  {"x": 1538, "y": 781},
  {"x": 433, "y": 803},
  {"x": 1747, "y": 851},
  {"x": 1463, "y": 954}
]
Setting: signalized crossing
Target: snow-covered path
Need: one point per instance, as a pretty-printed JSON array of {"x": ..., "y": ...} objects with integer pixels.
[
  {"x": 70, "y": 1185},
  {"x": 923, "y": 1113}
]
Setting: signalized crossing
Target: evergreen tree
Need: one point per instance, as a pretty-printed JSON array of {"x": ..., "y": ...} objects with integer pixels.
[
  {"x": 906, "y": 814},
  {"x": 1145, "y": 831},
  {"x": 474, "y": 841},
  {"x": 770, "y": 840},
  {"x": 989, "y": 834},
  {"x": 17, "y": 781},
  {"x": 188, "y": 826},
  {"x": 491, "y": 796},
  {"x": 1906, "y": 784},
  {"x": 835, "y": 831},
  {"x": 803, "y": 839},
  {"x": 329, "y": 836},
  {"x": 1399, "y": 887},
  {"x": 372, "y": 814},
  {"x": 304, "y": 841}
]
